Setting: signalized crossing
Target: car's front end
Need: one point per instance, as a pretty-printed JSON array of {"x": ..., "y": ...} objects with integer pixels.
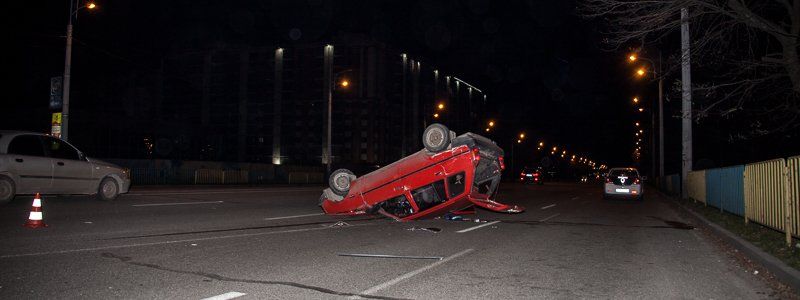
[{"x": 121, "y": 176}]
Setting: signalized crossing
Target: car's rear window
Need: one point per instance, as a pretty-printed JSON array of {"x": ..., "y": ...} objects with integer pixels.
[
  {"x": 624, "y": 177},
  {"x": 632, "y": 174},
  {"x": 29, "y": 145}
]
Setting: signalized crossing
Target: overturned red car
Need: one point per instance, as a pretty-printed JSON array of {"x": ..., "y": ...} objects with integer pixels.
[{"x": 450, "y": 174}]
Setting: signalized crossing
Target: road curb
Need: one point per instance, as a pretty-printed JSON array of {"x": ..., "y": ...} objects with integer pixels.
[{"x": 781, "y": 270}]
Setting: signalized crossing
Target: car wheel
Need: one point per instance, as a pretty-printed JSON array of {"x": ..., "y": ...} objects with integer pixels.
[
  {"x": 7, "y": 190},
  {"x": 340, "y": 181},
  {"x": 108, "y": 189},
  {"x": 436, "y": 138}
]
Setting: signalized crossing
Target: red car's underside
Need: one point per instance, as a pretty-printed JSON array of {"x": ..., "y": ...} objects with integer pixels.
[{"x": 428, "y": 185}]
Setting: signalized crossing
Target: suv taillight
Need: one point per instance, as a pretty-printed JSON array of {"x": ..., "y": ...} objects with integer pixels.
[
  {"x": 502, "y": 165},
  {"x": 608, "y": 180},
  {"x": 636, "y": 181}
]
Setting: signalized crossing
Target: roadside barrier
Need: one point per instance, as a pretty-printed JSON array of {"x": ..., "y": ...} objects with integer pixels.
[
  {"x": 36, "y": 217},
  {"x": 767, "y": 192},
  {"x": 765, "y": 201},
  {"x": 306, "y": 177},
  {"x": 725, "y": 189},
  {"x": 697, "y": 186},
  {"x": 235, "y": 177}
]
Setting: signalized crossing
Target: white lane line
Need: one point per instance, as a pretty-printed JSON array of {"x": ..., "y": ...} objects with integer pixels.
[
  {"x": 548, "y": 218},
  {"x": 476, "y": 227},
  {"x": 291, "y": 217},
  {"x": 201, "y": 192},
  {"x": 549, "y": 206},
  {"x": 177, "y": 203},
  {"x": 408, "y": 275},
  {"x": 575, "y": 198},
  {"x": 168, "y": 242},
  {"x": 226, "y": 296}
]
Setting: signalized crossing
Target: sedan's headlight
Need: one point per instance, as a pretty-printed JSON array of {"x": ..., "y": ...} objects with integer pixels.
[{"x": 126, "y": 173}]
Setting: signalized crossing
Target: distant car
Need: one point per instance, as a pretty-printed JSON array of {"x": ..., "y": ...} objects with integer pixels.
[
  {"x": 37, "y": 163},
  {"x": 623, "y": 183},
  {"x": 531, "y": 176},
  {"x": 450, "y": 174}
]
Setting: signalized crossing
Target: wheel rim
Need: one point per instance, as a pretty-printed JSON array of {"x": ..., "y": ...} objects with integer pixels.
[
  {"x": 5, "y": 189},
  {"x": 435, "y": 137},
  {"x": 342, "y": 182},
  {"x": 109, "y": 189}
]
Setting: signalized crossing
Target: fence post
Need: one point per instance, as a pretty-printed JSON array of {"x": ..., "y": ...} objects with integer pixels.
[
  {"x": 786, "y": 196},
  {"x": 195, "y": 176},
  {"x": 746, "y": 194}
]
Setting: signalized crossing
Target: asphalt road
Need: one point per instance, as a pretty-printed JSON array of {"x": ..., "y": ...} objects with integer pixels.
[{"x": 274, "y": 243}]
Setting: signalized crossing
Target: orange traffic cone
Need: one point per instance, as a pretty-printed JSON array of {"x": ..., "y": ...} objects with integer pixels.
[{"x": 35, "y": 219}]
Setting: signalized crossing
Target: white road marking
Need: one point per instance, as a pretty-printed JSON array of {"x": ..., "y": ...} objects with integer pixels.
[
  {"x": 408, "y": 275},
  {"x": 575, "y": 198},
  {"x": 549, "y": 206},
  {"x": 550, "y": 217},
  {"x": 226, "y": 296},
  {"x": 177, "y": 203},
  {"x": 476, "y": 227},
  {"x": 233, "y": 191},
  {"x": 169, "y": 242},
  {"x": 291, "y": 217}
]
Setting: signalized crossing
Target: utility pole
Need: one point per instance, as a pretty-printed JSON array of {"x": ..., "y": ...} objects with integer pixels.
[
  {"x": 403, "y": 108},
  {"x": 327, "y": 78},
  {"x": 686, "y": 101},
  {"x": 660, "y": 125},
  {"x": 67, "y": 71}
]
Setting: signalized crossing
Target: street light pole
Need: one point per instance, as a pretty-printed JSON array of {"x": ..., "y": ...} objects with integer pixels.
[
  {"x": 328, "y": 79},
  {"x": 67, "y": 71},
  {"x": 660, "y": 125}
]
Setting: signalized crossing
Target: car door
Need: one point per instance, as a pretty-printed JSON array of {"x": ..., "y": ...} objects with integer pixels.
[
  {"x": 72, "y": 174},
  {"x": 427, "y": 187},
  {"x": 29, "y": 162}
]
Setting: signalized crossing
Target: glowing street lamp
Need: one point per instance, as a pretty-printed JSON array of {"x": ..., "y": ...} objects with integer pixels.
[
  {"x": 344, "y": 83},
  {"x": 632, "y": 58},
  {"x": 440, "y": 106},
  {"x": 436, "y": 115},
  {"x": 641, "y": 109},
  {"x": 640, "y": 72},
  {"x": 491, "y": 123},
  {"x": 635, "y": 99}
]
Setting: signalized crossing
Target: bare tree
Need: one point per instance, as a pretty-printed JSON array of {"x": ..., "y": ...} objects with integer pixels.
[{"x": 747, "y": 51}]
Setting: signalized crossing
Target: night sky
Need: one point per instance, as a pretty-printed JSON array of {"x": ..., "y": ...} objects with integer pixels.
[{"x": 541, "y": 65}]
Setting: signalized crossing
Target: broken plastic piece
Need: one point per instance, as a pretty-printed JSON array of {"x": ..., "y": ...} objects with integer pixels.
[
  {"x": 431, "y": 229},
  {"x": 340, "y": 224}
]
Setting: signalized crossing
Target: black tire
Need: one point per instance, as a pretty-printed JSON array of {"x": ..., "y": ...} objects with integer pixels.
[
  {"x": 436, "y": 138},
  {"x": 339, "y": 181},
  {"x": 108, "y": 190},
  {"x": 7, "y": 190}
]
